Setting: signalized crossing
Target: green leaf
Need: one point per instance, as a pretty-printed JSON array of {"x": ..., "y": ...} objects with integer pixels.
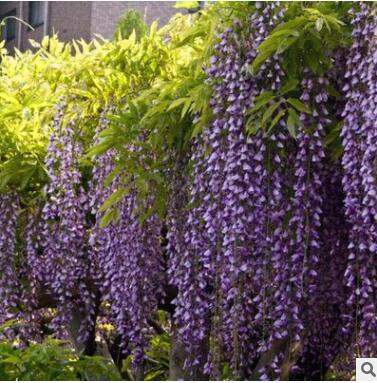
[
  {"x": 11, "y": 359},
  {"x": 292, "y": 25},
  {"x": 333, "y": 135},
  {"x": 276, "y": 119},
  {"x": 334, "y": 22},
  {"x": 261, "y": 58},
  {"x": 286, "y": 43},
  {"x": 278, "y": 41},
  {"x": 292, "y": 122},
  {"x": 8, "y": 324},
  {"x": 269, "y": 112},
  {"x": 114, "y": 198},
  {"x": 198, "y": 128},
  {"x": 261, "y": 100},
  {"x": 252, "y": 125},
  {"x": 319, "y": 24},
  {"x": 152, "y": 375},
  {"x": 226, "y": 375},
  {"x": 98, "y": 149},
  {"x": 177, "y": 103},
  {"x": 332, "y": 91},
  {"x": 186, "y": 4},
  {"x": 110, "y": 216},
  {"x": 186, "y": 107},
  {"x": 301, "y": 107},
  {"x": 289, "y": 86}
]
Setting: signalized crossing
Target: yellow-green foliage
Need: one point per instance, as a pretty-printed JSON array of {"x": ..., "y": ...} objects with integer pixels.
[
  {"x": 169, "y": 112},
  {"x": 87, "y": 75},
  {"x": 156, "y": 84}
]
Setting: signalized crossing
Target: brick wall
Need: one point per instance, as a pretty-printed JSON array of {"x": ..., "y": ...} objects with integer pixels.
[
  {"x": 83, "y": 19},
  {"x": 105, "y": 14},
  {"x": 6, "y": 7},
  {"x": 70, "y": 19},
  {"x": 26, "y": 33}
]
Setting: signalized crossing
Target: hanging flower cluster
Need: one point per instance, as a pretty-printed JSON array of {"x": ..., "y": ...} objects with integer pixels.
[
  {"x": 31, "y": 274},
  {"x": 326, "y": 339},
  {"x": 9, "y": 211},
  {"x": 65, "y": 266},
  {"x": 270, "y": 243},
  {"x": 307, "y": 218},
  {"x": 127, "y": 258},
  {"x": 225, "y": 234},
  {"x": 100, "y": 238},
  {"x": 255, "y": 270},
  {"x": 359, "y": 181}
]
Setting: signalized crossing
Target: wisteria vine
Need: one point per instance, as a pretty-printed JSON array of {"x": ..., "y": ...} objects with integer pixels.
[
  {"x": 127, "y": 258},
  {"x": 268, "y": 242}
]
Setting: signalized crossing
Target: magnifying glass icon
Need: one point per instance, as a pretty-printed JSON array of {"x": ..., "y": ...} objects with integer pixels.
[{"x": 367, "y": 368}]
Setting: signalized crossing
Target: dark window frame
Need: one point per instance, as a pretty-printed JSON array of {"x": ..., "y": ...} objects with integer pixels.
[
  {"x": 4, "y": 32},
  {"x": 40, "y": 21}
]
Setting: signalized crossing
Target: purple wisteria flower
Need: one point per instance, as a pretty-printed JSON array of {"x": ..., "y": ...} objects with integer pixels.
[
  {"x": 126, "y": 258},
  {"x": 223, "y": 261},
  {"x": 359, "y": 134},
  {"x": 9, "y": 211},
  {"x": 65, "y": 266}
]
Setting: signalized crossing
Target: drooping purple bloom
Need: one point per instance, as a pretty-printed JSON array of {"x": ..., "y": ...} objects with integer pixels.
[
  {"x": 9, "y": 211},
  {"x": 126, "y": 258},
  {"x": 65, "y": 262},
  {"x": 358, "y": 135}
]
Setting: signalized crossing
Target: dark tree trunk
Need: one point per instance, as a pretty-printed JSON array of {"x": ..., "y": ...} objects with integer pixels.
[
  {"x": 89, "y": 346},
  {"x": 291, "y": 352},
  {"x": 140, "y": 371},
  {"x": 178, "y": 356}
]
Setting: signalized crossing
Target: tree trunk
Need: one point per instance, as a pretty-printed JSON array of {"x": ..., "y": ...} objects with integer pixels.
[
  {"x": 178, "y": 356},
  {"x": 291, "y": 353},
  {"x": 139, "y": 373},
  {"x": 89, "y": 346}
]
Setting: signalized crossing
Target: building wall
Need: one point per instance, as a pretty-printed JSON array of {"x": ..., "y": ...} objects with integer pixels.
[
  {"x": 6, "y": 7},
  {"x": 82, "y": 19},
  {"x": 105, "y": 14},
  {"x": 71, "y": 19},
  {"x": 26, "y": 33}
]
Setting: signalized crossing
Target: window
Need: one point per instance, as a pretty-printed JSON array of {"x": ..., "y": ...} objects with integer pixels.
[
  {"x": 8, "y": 30},
  {"x": 36, "y": 11}
]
